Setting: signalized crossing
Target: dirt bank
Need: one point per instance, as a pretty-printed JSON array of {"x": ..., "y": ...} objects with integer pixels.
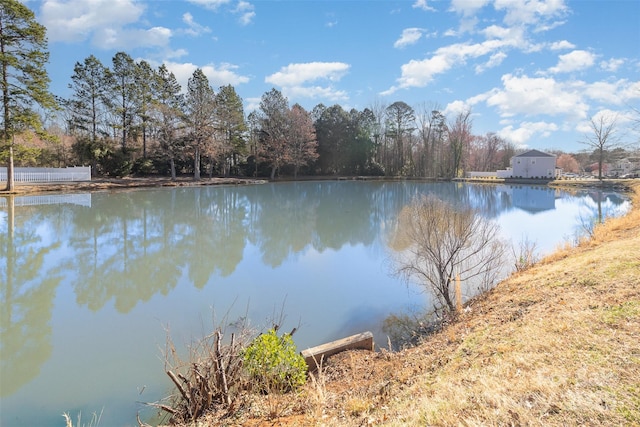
[{"x": 123, "y": 183}]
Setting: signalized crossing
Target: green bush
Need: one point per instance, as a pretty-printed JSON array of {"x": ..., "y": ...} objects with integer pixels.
[{"x": 273, "y": 363}]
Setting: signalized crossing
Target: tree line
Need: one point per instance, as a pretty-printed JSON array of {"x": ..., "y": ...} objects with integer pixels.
[{"x": 128, "y": 118}]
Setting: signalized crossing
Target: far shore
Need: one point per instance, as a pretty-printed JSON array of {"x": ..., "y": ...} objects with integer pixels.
[{"x": 108, "y": 184}]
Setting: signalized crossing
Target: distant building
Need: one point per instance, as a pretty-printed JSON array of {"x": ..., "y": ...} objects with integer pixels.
[
  {"x": 530, "y": 164},
  {"x": 533, "y": 164}
]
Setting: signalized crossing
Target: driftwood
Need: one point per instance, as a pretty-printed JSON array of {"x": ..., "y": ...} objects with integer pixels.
[{"x": 314, "y": 355}]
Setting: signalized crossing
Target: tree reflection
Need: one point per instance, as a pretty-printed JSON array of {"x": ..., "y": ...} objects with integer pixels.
[
  {"x": 26, "y": 293},
  {"x": 127, "y": 247}
]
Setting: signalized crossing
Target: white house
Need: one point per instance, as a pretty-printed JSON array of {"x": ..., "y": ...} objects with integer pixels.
[{"x": 533, "y": 164}]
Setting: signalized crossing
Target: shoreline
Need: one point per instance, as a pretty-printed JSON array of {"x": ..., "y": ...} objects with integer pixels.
[{"x": 110, "y": 184}]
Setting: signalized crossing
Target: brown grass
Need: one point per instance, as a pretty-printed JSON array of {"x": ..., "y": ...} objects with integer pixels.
[{"x": 555, "y": 345}]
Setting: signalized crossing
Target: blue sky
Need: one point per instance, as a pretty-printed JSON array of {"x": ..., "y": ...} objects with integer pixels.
[{"x": 533, "y": 71}]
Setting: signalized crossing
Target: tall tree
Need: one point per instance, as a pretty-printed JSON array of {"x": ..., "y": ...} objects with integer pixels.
[
  {"x": 231, "y": 127},
  {"x": 400, "y": 125},
  {"x": 144, "y": 77},
  {"x": 359, "y": 150},
  {"x": 274, "y": 110},
  {"x": 89, "y": 94},
  {"x": 201, "y": 110},
  {"x": 459, "y": 136},
  {"x": 24, "y": 79},
  {"x": 168, "y": 111},
  {"x": 331, "y": 126},
  {"x": 302, "y": 138},
  {"x": 602, "y": 138},
  {"x": 485, "y": 152},
  {"x": 125, "y": 95}
]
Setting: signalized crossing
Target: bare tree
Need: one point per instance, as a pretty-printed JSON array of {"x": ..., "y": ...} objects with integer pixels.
[
  {"x": 602, "y": 137},
  {"x": 303, "y": 145},
  {"x": 459, "y": 135},
  {"x": 437, "y": 242}
]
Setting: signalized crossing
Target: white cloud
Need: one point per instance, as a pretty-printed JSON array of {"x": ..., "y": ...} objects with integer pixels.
[
  {"x": 573, "y": 61},
  {"x": 77, "y": 20},
  {"x": 298, "y": 74},
  {"x": 422, "y": 4},
  {"x": 619, "y": 92},
  {"x": 409, "y": 36},
  {"x": 419, "y": 73},
  {"x": 525, "y": 131},
  {"x": 210, "y": 4},
  {"x": 246, "y": 11},
  {"x": 537, "y": 96},
  {"x": 296, "y": 80},
  {"x": 456, "y": 107},
  {"x": 531, "y": 12},
  {"x": 194, "y": 29},
  {"x": 607, "y": 116},
  {"x": 251, "y": 104},
  {"x": 467, "y": 7},
  {"x": 296, "y": 92},
  {"x": 561, "y": 45},
  {"x": 494, "y": 60},
  {"x": 114, "y": 38},
  {"x": 612, "y": 65},
  {"x": 218, "y": 75}
]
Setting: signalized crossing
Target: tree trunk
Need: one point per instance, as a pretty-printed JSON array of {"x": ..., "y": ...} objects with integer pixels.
[
  {"x": 196, "y": 165},
  {"x": 10, "y": 183},
  {"x": 172, "y": 162},
  {"x": 273, "y": 172}
]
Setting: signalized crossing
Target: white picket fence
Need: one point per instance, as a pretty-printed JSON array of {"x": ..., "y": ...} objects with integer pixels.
[
  {"x": 76, "y": 173},
  {"x": 82, "y": 199}
]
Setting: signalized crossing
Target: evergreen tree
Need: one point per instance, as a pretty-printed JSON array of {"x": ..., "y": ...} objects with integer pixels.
[
  {"x": 168, "y": 111},
  {"x": 144, "y": 76},
  {"x": 231, "y": 127},
  {"x": 24, "y": 80},
  {"x": 87, "y": 103},
  {"x": 200, "y": 117},
  {"x": 274, "y": 123},
  {"x": 124, "y": 96}
]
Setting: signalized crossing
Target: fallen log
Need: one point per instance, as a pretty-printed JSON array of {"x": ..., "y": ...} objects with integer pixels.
[{"x": 314, "y": 355}]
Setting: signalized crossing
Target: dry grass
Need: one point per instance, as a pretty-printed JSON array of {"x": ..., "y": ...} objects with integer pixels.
[{"x": 555, "y": 345}]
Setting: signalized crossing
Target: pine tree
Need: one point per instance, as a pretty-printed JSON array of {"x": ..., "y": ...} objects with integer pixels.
[
  {"x": 87, "y": 102},
  {"x": 24, "y": 80},
  {"x": 168, "y": 112},
  {"x": 200, "y": 116},
  {"x": 231, "y": 127}
]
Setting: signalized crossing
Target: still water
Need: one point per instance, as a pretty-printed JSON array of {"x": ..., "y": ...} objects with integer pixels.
[{"x": 91, "y": 283}]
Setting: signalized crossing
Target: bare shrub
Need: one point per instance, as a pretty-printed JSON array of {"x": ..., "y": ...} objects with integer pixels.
[
  {"x": 211, "y": 377},
  {"x": 435, "y": 242},
  {"x": 525, "y": 255}
]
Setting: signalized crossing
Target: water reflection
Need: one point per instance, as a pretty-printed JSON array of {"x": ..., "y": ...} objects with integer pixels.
[
  {"x": 322, "y": 245},
  {"x": 26, "y": 295}
]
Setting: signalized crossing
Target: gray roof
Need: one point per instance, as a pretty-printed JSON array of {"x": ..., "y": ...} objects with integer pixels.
[{"x": 534, "y": 153}]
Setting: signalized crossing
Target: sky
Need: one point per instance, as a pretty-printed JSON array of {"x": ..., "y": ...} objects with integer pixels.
[{"x": 536, "y": 72}]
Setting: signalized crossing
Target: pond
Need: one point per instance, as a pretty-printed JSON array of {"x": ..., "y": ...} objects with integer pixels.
[{"x": 92, "y": 283}]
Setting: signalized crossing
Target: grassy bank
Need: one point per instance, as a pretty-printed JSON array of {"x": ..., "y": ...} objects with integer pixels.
[{"x": 555, "y": 345}]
